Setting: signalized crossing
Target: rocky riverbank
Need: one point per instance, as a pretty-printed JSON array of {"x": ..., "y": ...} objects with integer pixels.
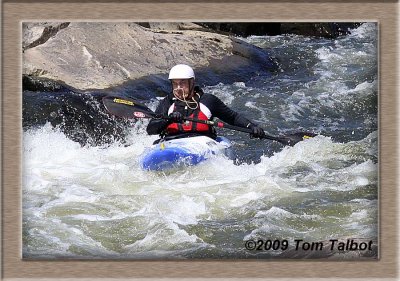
[{"x": 93, "y": 55}]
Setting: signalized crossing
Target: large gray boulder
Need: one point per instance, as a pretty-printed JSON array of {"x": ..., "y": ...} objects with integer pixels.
[{"x": 90, "y": 55}]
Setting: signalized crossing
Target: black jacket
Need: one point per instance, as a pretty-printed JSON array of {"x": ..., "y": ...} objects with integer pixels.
[{"x": 215, "y": 105}]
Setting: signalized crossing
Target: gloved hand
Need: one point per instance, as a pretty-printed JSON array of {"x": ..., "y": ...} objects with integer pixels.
[
  {"x": 257, "y": 132},
  {"x": 176, "y": 117}
]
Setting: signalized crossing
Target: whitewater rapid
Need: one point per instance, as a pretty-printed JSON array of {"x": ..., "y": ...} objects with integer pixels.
[{"x": 95, "y": 202}]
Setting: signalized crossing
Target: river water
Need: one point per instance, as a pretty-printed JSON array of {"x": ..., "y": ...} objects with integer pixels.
[{"x": 94, "y": 202}]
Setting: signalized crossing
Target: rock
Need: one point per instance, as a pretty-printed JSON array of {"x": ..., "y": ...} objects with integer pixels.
[
  {"x": 169, "y": 26},
  {"x": 90, "y": 55},
  {"x": 81, "y": 117},
  {"x": 35, "y": 34},
  {"x": 39, "y": 84}
]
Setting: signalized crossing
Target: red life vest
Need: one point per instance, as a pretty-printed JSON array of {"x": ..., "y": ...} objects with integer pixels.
[{"x": 201, "y": 112}]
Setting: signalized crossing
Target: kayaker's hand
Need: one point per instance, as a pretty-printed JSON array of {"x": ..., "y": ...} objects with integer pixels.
[
  {"x": 257, "y": 132},
  {"x": 176, "y": 117}
]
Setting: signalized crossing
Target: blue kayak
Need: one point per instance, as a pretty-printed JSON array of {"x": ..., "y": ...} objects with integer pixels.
[{"x": 183, "y": 151}]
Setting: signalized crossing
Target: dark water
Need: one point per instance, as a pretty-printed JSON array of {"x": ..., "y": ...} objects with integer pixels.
[{"x": 93, "y": 201}]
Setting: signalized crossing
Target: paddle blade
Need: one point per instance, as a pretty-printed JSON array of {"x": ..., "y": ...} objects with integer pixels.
[
  {"x": 292, "y": 139},
  {"x": 127, "y": 108}
]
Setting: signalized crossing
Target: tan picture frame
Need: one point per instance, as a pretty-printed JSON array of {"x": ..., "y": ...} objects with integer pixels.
[{"x": 384, "y": 12}]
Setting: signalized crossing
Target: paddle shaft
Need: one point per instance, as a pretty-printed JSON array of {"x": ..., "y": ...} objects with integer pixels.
[
  {"x": 228, "y": 126},
  {"x": 128, "y": 108},
  {"x": 149, "y": 113}
]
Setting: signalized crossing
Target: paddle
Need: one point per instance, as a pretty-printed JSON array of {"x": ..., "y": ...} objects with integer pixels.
[{"x": 128, "y": 108}]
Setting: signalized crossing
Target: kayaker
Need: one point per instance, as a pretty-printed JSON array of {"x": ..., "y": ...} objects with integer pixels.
[{"x": 188, "y": 100}]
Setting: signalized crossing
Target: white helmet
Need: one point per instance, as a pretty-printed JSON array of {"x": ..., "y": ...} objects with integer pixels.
[{"x": 181, "y": 71}]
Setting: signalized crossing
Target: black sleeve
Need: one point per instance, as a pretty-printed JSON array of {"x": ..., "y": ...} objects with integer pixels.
[
  {"x": 156, "y": 126},
  {"x": 223, "y": 112}
]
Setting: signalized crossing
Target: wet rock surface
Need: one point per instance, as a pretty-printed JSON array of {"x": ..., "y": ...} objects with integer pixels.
[{"x": 81, "y": 117}]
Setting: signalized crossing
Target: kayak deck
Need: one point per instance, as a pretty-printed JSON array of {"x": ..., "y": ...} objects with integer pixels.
[{"x": 184, "y": 151}]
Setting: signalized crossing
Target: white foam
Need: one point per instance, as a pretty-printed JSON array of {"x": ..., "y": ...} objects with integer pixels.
[
  {"x": 164, "y": 237},
  {"x": 276, "y": 213},
  {"x": 228, "y": 93},
  {"x": 99, "y": 201},
  {"x": 365, "y": 31}
]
